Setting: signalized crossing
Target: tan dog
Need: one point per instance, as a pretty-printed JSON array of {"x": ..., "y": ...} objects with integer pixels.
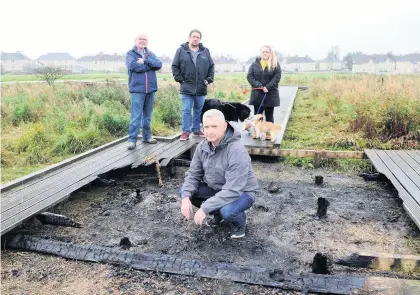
[
  {"x": 248, "y": 125},
  {"x": 263, "y": 127}
]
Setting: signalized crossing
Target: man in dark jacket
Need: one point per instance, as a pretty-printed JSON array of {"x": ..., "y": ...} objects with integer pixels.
[
  {"x": 220, "y": 180},
  {"x": 193, "y": 68},
  {"x": 142, "y": 65}
]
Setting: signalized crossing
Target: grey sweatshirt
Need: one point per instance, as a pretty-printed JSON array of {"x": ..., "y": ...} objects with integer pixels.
[{"x": 226, "y": 168}]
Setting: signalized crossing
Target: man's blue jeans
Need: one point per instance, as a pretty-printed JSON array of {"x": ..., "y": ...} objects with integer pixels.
[
  {"x": 189, "y": 103},
  {"x": 232, "y": 213},
  {"x": 141, "y": 108}
]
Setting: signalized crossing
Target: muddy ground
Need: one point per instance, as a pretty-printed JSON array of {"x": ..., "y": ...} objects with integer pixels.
[{"x": 283, "y": 232}]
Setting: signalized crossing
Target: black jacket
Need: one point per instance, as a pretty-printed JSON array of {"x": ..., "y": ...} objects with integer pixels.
[
  {"x": 259, "y": 78},
  {"x": 190, "y": 76}
]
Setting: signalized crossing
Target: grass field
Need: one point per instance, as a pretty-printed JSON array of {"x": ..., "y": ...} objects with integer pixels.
[
  {"x": 93, "y": 76},
  {"x": 42, "y": 125}
]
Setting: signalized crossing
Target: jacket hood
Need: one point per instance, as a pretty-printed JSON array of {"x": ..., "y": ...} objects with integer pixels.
[{"x": 186, "y": 46}]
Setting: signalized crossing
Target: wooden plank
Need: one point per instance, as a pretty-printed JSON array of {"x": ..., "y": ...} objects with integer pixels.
[
  {"x": 37, "y": 176},
  {"x": 177, "y": 152},
  {"x": 155, "y": 155},
  {"x": 382, "y": 261},
  {"x": 48, "y": 194},
  {"x": 412, "y": 208},
  {"x": 291, "y": 98},
  {"x": 409, "y": 160},
  {"x": 307, "y": 282},
  {"x": 24, "y": 211},
  {"x": 414, "y": 154},
  {"x": 24, "y": 179},
  {"x": 93, "y": 159},
  {"x": 68, "y": 176},
  {"x": 410, "y": 187},
  {"x": 9, "y": 224},
  {"x": 409, "y": 204},
  {"x": 405, "y": 168}
]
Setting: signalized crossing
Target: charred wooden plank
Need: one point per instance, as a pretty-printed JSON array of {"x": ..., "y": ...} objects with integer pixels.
[
  {"x": 307, "y": 282},
  {"x": 182, "y": 162},
  {"x": 57, "y": 219},
  {"x": 275, "y": 151},
  {"x": 382, "y": 261},
  {"x": 322, "y": 207}
]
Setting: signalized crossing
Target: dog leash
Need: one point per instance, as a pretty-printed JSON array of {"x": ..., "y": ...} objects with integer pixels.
[{"x": 262, "y": 102}]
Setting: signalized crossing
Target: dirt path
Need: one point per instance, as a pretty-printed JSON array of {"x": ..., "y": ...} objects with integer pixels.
[{"x": 283, "y": 232}]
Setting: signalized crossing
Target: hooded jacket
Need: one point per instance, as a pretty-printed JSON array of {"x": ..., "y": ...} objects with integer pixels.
[
  {"x": 270, "y": 79},
  {"x": 142, "y": 77},
  {"x": 226, "y": 168},
  {"x": 191, "y": 76}
]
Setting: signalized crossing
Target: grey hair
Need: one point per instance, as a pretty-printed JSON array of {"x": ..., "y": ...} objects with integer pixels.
[
  {"x": 213, "y": 113},
  {"x": 141, "y": 35}
]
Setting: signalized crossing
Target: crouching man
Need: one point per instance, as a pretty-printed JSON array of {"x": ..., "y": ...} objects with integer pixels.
[{"x": 220, "y": 180}]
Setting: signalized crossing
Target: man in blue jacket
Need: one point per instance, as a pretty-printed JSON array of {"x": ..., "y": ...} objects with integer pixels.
[
  {"x": 142, "y": 65},
  {"x": 193, "y": 68},
  {"x": 220, "y": 180}
]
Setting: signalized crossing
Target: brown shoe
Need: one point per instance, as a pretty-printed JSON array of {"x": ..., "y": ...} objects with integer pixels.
[
  {"x": 184, "y": 136},
  {"x": 199, "y": 133}
]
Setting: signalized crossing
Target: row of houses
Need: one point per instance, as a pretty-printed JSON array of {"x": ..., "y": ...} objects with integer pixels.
[
  {"x": 19, "y": 63},
  {"x": 375, "y": 64}
]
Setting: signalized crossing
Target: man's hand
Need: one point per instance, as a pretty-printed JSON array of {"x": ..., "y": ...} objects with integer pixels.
[
  {"x": 186, "y": 208},
  {"x": 265, "y": 89},
  {"x": 206, "y": 82},
  {"x": 199, "y": 217},
  {"x": 140, "y": 60}
]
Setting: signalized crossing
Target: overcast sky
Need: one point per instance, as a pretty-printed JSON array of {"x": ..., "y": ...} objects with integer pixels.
[{"x": 238, "y": 28}]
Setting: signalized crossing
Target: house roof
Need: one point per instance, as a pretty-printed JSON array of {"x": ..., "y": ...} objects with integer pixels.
[
  {"x": 298, "y": 59},
  {"x": 102, "y": 57},
  {"x": 412, "y": 57},
  {"x": 13, "y": 56},
  {"x": 359, "y": 59},
  {"x": 224, "y": 60},
  {"x": 56, "y": 56},
  {"x": 364, "y": 58}
]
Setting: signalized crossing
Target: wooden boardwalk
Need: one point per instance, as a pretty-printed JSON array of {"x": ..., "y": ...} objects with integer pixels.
[
  {"x": 34, "y": 193},
  {"x": 402, "y": 168}
]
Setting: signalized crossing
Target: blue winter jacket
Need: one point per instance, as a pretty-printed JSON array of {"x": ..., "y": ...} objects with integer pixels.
[{"x": 142, "y": 77}]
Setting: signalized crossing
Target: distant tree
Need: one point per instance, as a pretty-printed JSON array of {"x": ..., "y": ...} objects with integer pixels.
[
  {"x": 49, "y": 73},
  {"x": 348, "y": 61},
  {"x": 334, "y": 52}
]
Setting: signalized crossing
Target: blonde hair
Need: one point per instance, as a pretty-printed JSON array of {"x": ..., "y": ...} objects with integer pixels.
[{"x": 272, "y": 60}]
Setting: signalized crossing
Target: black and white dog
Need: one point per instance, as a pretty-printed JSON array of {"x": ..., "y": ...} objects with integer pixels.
[{"x": 233, "y": 111}]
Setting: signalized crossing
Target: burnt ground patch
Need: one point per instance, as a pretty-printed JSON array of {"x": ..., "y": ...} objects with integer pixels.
[{"x": 284, "y": 231}]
